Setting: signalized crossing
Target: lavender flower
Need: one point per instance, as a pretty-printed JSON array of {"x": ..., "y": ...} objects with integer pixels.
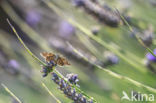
[
  {"x": 13, "y": 63},
  {"x": 148, "y": 36},
  {"x": 78, "y": 3},
  {"x": 95, "y": 30},
  {"x": 102, "y": 14},
  {"x": 150, "y": 66},
  {"x": 150, "y": 57},
  {"x": 66, "y": 30},
  {"x": 47, "y": 69},
  {"x": 111, "y": 58},
  {"x": 72, "y": 78},
  {"x": 33, "y": 18},
  {"x": 13, "y": 100},
  {"x": 68, "y": 90},
  {"x": 12, "y": 67}
]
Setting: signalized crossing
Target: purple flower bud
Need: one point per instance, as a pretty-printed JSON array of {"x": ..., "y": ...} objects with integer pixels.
[
  {"x": 91, "y": 101},
  {"x": 65, "y": 92},
  {"x": 79, "y": 96},
  {"x": 44, "y": 70},
  {"x": 55, "y": 77},
  {"x": 74, "y": 92},
  {"x": 33, "y": 18},
  {"x": 150, "y": 57},
  {"x": 66, "y": 30},
  {"x": 44, "y": 75},
  {"x": 95, "y": 31},
  {"x": 47, "y": 69},
  {"x": 51, "y": 63},
  {"x": 78, "y": 2},
  {"x": 114, "y": 59},
  {"x": 62, "y": 84},
  {"x": 111, "y": 58},
  {"x": 68, "y": 90},
  {"x": 84, "y": 100},
  {"x": 13, "y": 63},
  {"x": 12, "y": 67},
  {"x": 14, "y": 100},
  {"x": 72, "y": 78}
]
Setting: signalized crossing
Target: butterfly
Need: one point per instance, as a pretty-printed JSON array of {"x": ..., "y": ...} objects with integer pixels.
[{"x": 55, "y": 58}]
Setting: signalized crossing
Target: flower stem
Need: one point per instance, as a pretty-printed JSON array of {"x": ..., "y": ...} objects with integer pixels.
[
  {"x": 27, "y": 49},
  {"x": 138, "y": 38}
]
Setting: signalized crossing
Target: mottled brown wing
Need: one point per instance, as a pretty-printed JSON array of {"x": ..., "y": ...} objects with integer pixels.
[
  {"x": 48, "y": 56},
  {"x": 44, "y": 54},
  {"x": 62, "y": 61}
]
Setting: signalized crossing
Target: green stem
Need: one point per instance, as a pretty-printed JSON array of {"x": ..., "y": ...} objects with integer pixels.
[
  {"x": 11, "y": 93},
  {"x": 27, "y": 49},
  {"x": 138, "y": 38}
]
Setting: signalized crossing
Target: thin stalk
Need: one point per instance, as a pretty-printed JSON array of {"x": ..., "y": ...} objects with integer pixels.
[
  {"x": 27, "y": 49},
  {"x": 138, "y": 38},
  {"x": 11, "y": 93},
  {"x": 118, "y": 76},
  {"x": 57, "y": 100}
]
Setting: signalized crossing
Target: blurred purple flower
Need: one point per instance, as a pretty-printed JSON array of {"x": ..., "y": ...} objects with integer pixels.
[
  {"x": 66, "y": 29},
  {"x": 114, "y": 59},
  {"x": 12, "y": 67},
  {"x": 14, "y": 101},
  {"x": 78, "y": 2},
  {"x": 13, "y": 63},
  {"x": 111, "y": 58},
  {"x": 33, "y": 18},
  {"x": 57, "y": 43},
  {"x": 150, "y": 57}
]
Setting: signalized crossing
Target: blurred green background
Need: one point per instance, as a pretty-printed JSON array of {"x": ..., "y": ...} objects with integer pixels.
[{"x": 43, "y": 31}]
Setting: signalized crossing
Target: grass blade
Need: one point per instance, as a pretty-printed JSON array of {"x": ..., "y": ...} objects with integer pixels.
[
  {"x": 57, "y": 100},
  {"x": 11, "y": 93},
  {"x": 27, "y": 49},
  {"x": 138, "y": 38}
]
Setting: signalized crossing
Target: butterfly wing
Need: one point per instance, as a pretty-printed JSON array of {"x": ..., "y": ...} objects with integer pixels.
[
  {"x": 48, "y": 56},
  {"x": 62, "y": 61},
  {"x": 52, "y": 57},
  {"x": 44, "y": 54}
]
